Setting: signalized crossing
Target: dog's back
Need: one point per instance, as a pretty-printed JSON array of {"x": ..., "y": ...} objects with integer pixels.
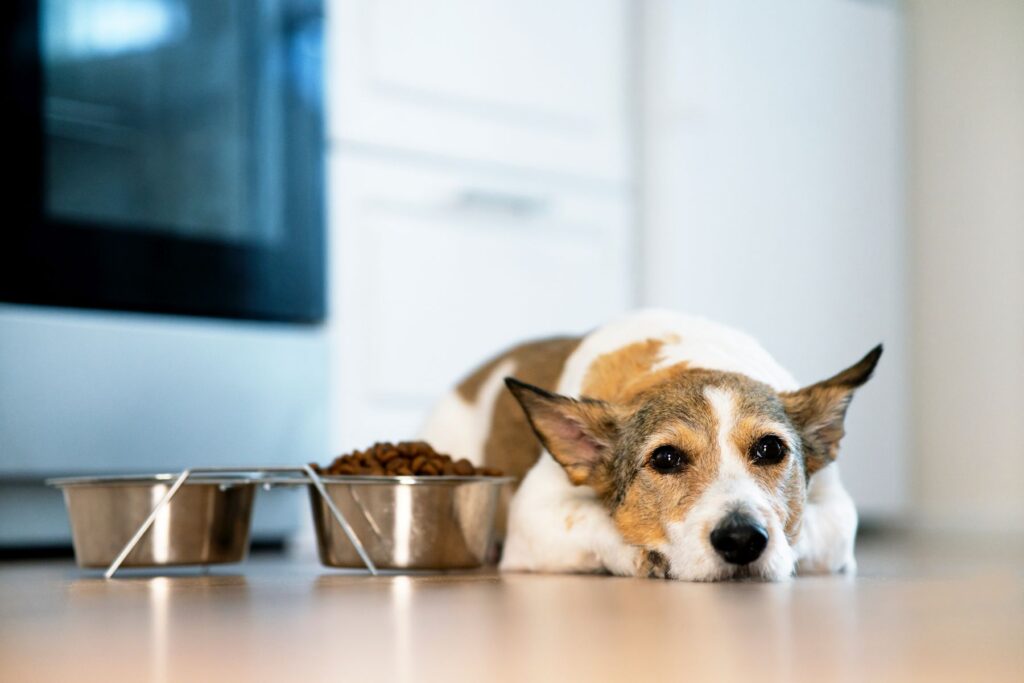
[{"x": 481, "y": 421}]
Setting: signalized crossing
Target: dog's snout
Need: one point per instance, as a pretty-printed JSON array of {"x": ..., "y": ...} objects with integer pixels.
[{"x": 739, "y": 539}]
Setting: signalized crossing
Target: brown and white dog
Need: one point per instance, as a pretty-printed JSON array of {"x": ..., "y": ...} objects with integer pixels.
[{"x": 669, "y": 446}]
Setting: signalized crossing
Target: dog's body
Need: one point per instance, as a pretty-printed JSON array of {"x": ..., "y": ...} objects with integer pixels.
[{"x": 673, "y": 446}]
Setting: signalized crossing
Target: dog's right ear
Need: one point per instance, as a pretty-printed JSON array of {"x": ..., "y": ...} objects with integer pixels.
[{"x": 579, "y": 434}]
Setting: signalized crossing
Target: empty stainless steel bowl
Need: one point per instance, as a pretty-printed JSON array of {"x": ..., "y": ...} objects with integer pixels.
[
  {"x": 207, "y": 521},
  {"x": 408, "y": 522}
]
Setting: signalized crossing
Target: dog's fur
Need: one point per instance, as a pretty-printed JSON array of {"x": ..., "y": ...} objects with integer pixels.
[{"x": 590, "y": 499}]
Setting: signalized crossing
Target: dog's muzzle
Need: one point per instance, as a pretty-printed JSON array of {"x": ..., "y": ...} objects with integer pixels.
[{"x": 738, "y": 539}]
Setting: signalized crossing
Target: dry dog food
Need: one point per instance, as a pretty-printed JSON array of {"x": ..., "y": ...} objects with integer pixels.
[{"x": 409, "y": 458}]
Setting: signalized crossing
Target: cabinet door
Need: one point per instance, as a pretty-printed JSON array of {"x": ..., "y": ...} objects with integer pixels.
[
  {"x": 433, "y": 272},
  {"x": 779, "y": 209},
  {"x": 534, "y": 83}
]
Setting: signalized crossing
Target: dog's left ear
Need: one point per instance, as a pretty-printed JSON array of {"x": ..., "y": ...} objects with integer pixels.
[
  {"x": 818, "y": 411},
  {"x": 579, "y": 434}
]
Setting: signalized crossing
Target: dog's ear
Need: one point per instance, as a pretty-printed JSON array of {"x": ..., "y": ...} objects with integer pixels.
[
  {"x": 818, "y": 411},
  {"x": 579, "y": 434}
]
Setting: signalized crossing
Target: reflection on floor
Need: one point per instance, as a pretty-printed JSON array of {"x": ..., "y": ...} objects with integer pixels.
[{"x": 922, "y": 608}]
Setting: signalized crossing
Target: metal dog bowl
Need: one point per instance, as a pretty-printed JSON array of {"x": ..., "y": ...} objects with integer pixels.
[
  {"x": 207, "y": 521},
  {"x": 408, "y": 522}
]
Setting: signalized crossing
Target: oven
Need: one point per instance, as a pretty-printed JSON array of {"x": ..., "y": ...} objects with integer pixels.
[
  {"x": 164, "y": 156},
  {"x": 162, "y": 249}
]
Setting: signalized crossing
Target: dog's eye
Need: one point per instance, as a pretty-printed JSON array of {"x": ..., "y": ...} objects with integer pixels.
[
  {"x": 667, "y": 459},
  {"x": 768, "y": 450}
]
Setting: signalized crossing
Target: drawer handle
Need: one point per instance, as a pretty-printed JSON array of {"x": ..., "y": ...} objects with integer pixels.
[{"x": 508, "y": 203}]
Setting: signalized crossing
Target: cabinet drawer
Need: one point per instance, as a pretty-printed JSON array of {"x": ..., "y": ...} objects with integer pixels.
[
  {"x": 532, "y": 83},
  {"x": 436, "y": 271}
]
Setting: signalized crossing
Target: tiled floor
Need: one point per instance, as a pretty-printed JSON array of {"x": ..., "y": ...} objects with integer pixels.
[{"x": 934, "y": 609}]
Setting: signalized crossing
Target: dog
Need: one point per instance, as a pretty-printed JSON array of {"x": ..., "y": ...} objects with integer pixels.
[{"x": 660, "y": 445}]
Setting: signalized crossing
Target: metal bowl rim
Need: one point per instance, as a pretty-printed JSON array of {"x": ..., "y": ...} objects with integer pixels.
[
  {"x": 151, "y": 479},
  {"x": 412, "y": 480},
  {"x": 254, "y": 478}
]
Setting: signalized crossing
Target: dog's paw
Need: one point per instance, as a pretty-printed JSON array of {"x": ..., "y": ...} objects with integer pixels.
[{"x": 653, "y": 565}]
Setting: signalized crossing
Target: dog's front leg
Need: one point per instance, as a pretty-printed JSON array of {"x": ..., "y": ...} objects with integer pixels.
[
  {"x": 615, "y": 555},
  {"x": 568, "y": 536},
  {"x": 555, "y": 527},
  {"x": 829, "y": 526}
]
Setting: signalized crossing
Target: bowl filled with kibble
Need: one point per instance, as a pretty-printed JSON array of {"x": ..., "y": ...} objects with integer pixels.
[{"x": 410, "y": 507}]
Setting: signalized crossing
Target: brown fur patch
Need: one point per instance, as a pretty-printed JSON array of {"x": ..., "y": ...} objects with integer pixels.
[
  {"x": 511, "y": 445},
  {"x": 638, "y": 517},
  {"x": 653, "y": 500},
  {"x": 543, "y": 359},
  {"x": 619, "y": 376}
]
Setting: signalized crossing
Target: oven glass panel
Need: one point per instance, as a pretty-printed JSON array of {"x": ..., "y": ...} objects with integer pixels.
[
  {"x": 165, "y": 156},
  {"x": 161, "y": 115}
]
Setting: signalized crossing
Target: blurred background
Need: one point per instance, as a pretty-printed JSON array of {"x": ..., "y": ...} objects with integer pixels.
[{"x": 263, "y": 233}]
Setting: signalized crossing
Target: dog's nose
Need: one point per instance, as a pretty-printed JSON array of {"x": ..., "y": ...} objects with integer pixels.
[{"x": 739, "y": 539}]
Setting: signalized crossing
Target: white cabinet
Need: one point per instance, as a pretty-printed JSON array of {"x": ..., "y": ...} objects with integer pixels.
[
  {"x": 537, "y": 84},
  {"x": 773, "y": 163},
  {"x": 479, "y": 191},
  {"x": 435, "y": 270}
]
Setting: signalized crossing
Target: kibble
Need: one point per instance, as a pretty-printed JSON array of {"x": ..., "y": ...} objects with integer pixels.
[{"x": 406, "y": 458}]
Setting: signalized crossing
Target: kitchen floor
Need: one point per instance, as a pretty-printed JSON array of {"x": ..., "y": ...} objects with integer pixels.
[{"x": 922, "y": 608}]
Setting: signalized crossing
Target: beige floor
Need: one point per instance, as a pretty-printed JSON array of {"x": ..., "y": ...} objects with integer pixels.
[{"x": 933, "y": 610}]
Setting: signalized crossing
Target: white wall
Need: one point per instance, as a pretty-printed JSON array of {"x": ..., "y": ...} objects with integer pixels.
[
  {"x": 966, "y": 88},
  {"x": 772, "y": 176}
]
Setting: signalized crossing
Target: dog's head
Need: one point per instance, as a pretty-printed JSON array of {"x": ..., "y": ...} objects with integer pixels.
[{"x": 709, "y": 469}]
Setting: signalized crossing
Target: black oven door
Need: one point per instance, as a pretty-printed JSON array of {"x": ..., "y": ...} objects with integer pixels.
[{"x": 164, "y": 156}]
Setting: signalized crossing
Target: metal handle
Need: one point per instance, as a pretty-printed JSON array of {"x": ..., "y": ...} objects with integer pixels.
[
  {"x": 318, "y": 484},
  {"x": 308, "y": 471},
  {"x": 509, "y": 203},
  {"x": 141, "y": 531}
]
